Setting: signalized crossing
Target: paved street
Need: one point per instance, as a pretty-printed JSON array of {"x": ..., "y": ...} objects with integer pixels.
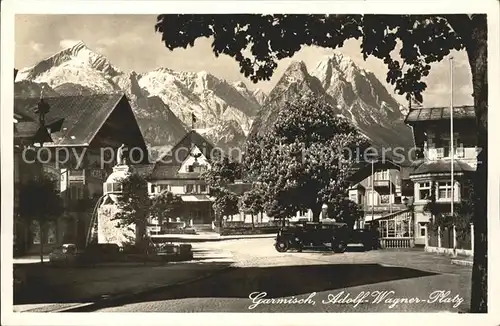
[
  {"x": 351, "y": 282},
  {"x": 47, "y": 288}
]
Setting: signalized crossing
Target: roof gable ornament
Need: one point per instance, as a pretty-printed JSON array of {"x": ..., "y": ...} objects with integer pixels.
[{"x": 42, "y": 109}]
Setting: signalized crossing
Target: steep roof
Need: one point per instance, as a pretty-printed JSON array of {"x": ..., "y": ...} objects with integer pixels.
[
  {"x": 168, "y": 166},
  {"x": 83, "y": 115},
  {"x": 179, "y": 153},
  {"x": 440, "y": 113},
  {"x": 441, "y": 166}
]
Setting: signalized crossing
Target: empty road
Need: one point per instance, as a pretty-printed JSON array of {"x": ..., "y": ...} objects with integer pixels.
[{"x": 263, "y": 280}]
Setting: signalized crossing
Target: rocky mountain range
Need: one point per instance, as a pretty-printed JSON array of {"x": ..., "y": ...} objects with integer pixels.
[
  {"x": 226, "y": 112},
  {"x": 163, "y": 100},
  {"x": 352, "y": 92}
]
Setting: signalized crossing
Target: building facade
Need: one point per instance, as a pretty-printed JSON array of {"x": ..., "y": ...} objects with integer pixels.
[
  {"x": 432, "y": 133},
  {"x": 79, "y": 157},
  {"x": 180, "y": 172},
  {"x": 385, "y": 193}
]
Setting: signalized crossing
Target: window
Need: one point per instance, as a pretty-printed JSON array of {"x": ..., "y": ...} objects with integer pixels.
[
  {"x": 424, "y": 190},
  {"x": 444, "y": 190},
  {"x": 397, "y": 200},
  {"x": 382, "y": 229},
  {"x": 189, "y": 189},
  {"x": 112, "y": 187},
  {"x": 384, "y": 199},
  {"x": 203, "y": 189},
  {"x": 75, "y": 193},
  {"x": 422, "y": 231},
  {"x": 196, "y": 168},
  {"x": 153, "y": 189},
  {"x": 161, "y": 187}
]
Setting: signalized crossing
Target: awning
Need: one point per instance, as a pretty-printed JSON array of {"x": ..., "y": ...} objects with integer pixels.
[{"x": 196, "y": 198}]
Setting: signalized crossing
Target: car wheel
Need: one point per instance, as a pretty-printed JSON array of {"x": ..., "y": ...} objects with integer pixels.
[
  {"x": 281, "y": 245},
  {"x": 339, "y": 247}
]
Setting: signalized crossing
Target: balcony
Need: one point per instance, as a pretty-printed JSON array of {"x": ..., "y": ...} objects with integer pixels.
[
  {"x": 385, "y": 208},
  {"x": 77, "y": 175},
  {"x": 384, "y": 186},
  {"x": 461, "y": 153}
]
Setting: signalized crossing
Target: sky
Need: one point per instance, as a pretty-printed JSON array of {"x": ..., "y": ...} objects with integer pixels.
[{"x": 131, "y": 44}]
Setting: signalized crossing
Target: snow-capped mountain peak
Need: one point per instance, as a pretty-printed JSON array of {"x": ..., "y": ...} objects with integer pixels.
[
  {"x": 240, "y": 85},
  {"x": 349, "y": 89},
  {"x": 259, "y": 95},
  {"x": 76, "y": 64}
]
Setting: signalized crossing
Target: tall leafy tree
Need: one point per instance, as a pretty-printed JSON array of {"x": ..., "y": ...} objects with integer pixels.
[
  {"x": 226, "y": 203},
  {"x": 40, "y": 201},
  {"x": 134, "y": 206},
  {"x": 342, "y": 209},
  {"x": 165, "y": 205},
  {"x": 252, "y": 202},
  {"x": 304, "y": 161},
  {"x": 258, "y": 42},
  {"x": 223, "y": 172}
]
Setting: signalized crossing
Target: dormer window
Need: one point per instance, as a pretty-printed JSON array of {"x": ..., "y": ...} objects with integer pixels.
[{"x": 195, "y": 167}]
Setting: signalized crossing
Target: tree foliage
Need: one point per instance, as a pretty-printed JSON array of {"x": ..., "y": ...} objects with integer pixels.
[
  {"x": 257, "y": 42},
  {"x": 136, "y": 206},
  {"x": 165, "y": 205},
  {"x": 223, "y": 172},
  {"x": 134, "y": 201},
  {"x": 342, "y": 209},
  {"x": 462, "y": 215},
  {"x": 226, "y": 203},
  {"x": 304, "y": 161},
  {"x": 252, "y": 201}
]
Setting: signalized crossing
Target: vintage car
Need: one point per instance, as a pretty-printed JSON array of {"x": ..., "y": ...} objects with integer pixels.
[
  {"x": 313, "y": 235},
  {"x": 368, "y": 238}
]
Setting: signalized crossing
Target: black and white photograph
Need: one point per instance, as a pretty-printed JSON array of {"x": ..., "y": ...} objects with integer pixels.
[{"x": 248, "y": 161}]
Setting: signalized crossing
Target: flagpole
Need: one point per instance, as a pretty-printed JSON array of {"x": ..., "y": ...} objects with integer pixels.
[{"x": 452, "y": 150}]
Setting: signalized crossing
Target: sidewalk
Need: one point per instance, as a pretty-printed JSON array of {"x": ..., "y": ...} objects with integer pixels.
[
  {"x": 52, "y": 289},
  {"x": 463, "y": 260}
]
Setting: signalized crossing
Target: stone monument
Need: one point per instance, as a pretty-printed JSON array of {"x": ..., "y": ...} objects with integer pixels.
[{"x": 107, "y": 230}]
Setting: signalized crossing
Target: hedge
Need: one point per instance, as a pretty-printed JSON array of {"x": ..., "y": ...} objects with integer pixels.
[{"x": 248, "y": 230}]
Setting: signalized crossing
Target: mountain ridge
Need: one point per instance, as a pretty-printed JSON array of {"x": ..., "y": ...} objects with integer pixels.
[
  {"x": 227, "y": 113},
  {"x": 214, "y": 101}
]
